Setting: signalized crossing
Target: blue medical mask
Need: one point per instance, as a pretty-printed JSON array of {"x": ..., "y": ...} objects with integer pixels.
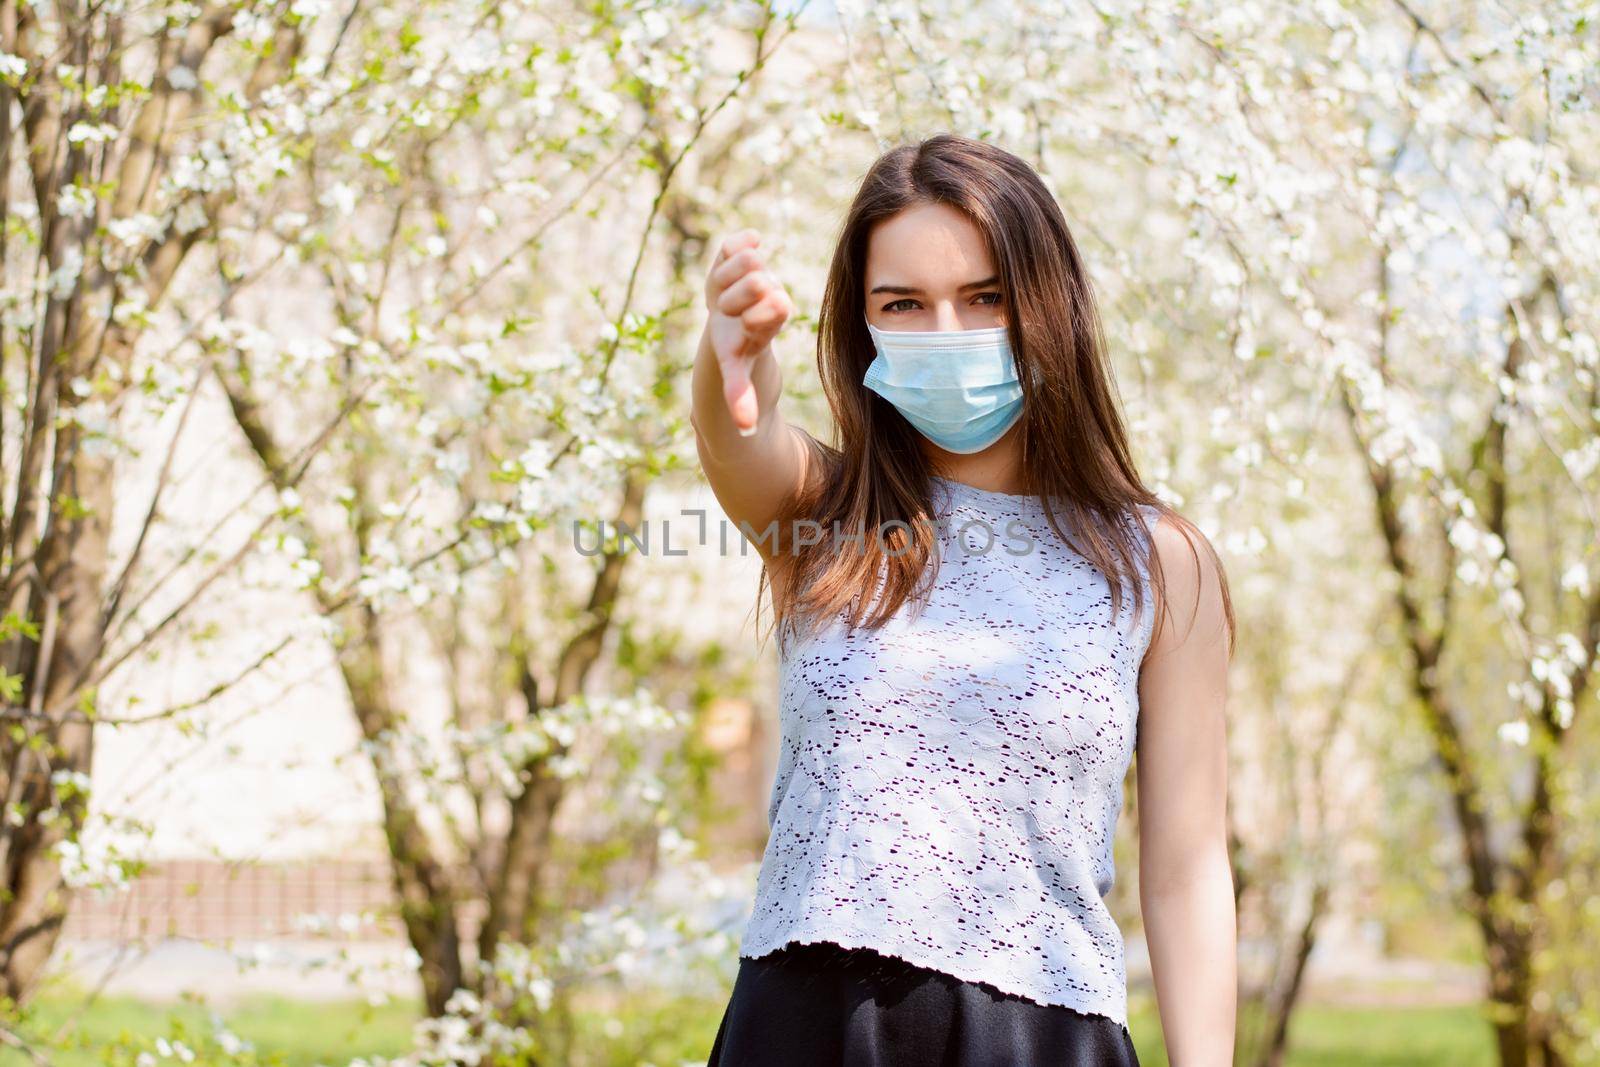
[{"x": 959, "y": 388}]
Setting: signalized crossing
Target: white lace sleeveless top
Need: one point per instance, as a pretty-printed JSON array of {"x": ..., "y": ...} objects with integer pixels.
[{"x": 948, "y": 786}]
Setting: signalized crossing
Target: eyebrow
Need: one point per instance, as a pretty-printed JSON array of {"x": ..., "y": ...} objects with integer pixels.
[{"x": 908, "y": 290}]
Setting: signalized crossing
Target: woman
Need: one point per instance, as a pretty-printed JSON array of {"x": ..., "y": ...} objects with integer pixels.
[{"x": 954, "y": 745}]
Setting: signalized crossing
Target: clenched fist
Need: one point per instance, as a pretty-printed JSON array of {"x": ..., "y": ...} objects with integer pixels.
[{"x": 748, "y": 306}]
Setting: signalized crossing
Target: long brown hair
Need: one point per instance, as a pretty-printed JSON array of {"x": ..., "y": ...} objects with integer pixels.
[{"x": 875, "y": 478}]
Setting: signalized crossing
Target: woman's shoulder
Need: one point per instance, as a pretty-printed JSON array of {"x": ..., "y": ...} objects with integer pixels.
[
  {"x": 1172, "y": 534},
  {"x": 1194, "y": 580}
]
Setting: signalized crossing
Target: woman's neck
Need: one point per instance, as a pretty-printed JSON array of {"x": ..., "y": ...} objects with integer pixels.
[{"x": 997, "y": 468}]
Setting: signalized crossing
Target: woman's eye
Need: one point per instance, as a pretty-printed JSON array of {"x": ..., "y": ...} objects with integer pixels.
[{"x": 895, "y": 305}]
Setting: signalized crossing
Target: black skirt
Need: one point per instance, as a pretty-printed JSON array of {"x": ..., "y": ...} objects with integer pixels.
[{"x": 819, "y": 1003}]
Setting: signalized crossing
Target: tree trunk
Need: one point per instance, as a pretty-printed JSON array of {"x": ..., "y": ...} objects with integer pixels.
[
  {"x": 1287, "y": 993},
  {"x": 421, "y": 882},
  {"x": 66, "y": 597},
  {"x": 1510, "y": 1000},
  {"x": 512, "y": 897}
]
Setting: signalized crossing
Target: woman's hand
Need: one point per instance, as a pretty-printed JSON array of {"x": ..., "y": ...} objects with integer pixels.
[
  {"x": 753, "y": 459},
  {"x": 748, "y": 307}
]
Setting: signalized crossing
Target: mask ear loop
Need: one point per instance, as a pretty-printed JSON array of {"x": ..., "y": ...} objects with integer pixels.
[{"x": 1034, "y": 374}]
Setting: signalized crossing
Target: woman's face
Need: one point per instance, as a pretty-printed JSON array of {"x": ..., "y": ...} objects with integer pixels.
[{"x": 928, "y": 269}]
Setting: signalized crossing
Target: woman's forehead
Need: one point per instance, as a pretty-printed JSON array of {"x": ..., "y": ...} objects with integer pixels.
[{"x": 926, "y": 246}]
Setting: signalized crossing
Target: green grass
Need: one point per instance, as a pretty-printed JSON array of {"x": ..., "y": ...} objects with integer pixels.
[
  {"x": 666, "y": 1031},
  {"x": 1325, "y": 1036},
  {"x": 305, "y": 1033},
  {"x": 1392, "y": 1037}
]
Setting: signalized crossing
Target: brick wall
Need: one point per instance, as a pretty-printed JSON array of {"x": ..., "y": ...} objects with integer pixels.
[{"x": 217, "y": 899}]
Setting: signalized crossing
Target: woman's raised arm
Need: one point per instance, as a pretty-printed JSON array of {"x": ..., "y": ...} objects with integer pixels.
[{"x": 753, "y": 459}]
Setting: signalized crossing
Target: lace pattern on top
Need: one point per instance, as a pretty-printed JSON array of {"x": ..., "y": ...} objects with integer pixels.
[{"x": 948, "y": 786}]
